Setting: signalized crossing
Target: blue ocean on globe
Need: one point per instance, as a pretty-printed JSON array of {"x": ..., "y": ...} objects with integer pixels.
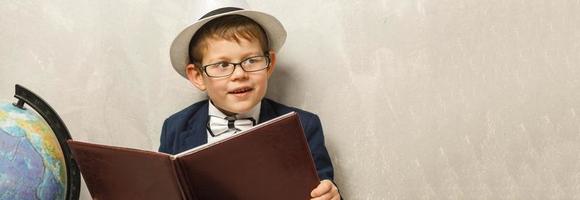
[{"x": 32, "y": 164}]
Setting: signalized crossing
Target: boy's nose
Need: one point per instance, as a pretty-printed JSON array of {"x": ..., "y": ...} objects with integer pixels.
[{"x": 238, "y": 72}]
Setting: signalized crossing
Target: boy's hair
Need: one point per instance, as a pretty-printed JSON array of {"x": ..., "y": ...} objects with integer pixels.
[{"x": 229, "y": 27}]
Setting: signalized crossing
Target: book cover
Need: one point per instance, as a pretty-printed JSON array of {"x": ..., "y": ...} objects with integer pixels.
[{"x": 269, "y": 161}]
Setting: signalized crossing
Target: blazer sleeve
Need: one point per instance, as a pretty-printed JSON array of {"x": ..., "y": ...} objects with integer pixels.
[{"x": 315, "y": 137}]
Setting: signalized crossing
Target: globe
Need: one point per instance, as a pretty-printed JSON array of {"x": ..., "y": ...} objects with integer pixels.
[
  {"x": 32, "y": 161},
  {"x": 33, "y": 164}
]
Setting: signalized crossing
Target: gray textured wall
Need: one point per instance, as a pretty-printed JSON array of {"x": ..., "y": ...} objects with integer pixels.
[{"x": 453, "y": 99}]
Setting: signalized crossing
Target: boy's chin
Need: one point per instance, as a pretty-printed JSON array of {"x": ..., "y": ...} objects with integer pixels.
[{"x": 239, "y": 107}]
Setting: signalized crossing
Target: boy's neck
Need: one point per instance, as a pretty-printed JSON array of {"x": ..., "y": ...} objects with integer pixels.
[
  {"x": 254, "y": 112},
  {"x": 229, "y": 114}
]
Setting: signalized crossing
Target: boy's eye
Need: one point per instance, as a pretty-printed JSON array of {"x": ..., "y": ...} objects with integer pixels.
[
  {"x": 254, "y": 60},
  {"x": 223, "y": 64},
  {"x": 251, "y": 60}
]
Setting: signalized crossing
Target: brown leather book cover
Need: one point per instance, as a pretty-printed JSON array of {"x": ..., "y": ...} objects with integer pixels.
[{"x": 269, "y": 161}]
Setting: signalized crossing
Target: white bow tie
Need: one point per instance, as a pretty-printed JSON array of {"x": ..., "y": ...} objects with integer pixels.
[{"x": 217, "y": 125}]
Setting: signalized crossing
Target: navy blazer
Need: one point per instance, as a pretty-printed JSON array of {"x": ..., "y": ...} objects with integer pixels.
[{"x": 186, "y": 129}]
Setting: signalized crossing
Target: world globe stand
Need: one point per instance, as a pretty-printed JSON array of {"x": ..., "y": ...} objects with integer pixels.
[{"x": 57, "y": 125}]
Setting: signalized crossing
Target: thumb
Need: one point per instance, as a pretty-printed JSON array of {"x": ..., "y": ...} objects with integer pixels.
[{"x": 321, "y": 189}]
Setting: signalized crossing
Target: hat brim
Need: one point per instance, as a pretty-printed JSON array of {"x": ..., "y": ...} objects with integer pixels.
[{"x": 179, "y": 51}]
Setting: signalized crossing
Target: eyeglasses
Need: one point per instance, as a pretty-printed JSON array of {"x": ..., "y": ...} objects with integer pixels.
[{"x": 223, "y": 69}]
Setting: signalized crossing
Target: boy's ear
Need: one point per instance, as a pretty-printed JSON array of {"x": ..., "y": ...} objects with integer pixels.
[
  {"x": 272, "y": 55},
  {"x": 195, "y": 76}
]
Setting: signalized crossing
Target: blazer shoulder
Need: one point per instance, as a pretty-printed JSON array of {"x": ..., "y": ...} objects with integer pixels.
[{"x": 175, "y": 124}]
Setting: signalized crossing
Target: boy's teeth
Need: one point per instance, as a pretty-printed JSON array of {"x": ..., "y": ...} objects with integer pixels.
[{"x": 240, "y": 90}]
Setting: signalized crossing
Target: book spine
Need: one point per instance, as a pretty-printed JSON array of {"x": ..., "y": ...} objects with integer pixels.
[{"x": 184, "y": 185}]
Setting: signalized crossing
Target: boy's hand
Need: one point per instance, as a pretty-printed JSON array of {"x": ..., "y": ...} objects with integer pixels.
[{"x": 326, "y": 190}]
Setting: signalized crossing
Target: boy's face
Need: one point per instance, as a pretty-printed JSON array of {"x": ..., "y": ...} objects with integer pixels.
[{"x": 241, "y": 91}]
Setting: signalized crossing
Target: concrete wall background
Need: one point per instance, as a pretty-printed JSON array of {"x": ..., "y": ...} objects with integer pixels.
[{"x": 451, "y": 99}]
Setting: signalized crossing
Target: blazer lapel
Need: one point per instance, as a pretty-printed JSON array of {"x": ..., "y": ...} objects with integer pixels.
[
  {"x": 195, "y": 132},
  {"x": 267, "y": 111}
]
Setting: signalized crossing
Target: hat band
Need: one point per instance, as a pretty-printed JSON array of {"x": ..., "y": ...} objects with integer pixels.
[{"x": 219, "y": 11}]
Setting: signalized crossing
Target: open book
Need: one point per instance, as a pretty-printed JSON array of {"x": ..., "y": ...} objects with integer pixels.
[{"x": 269, "y": 161}]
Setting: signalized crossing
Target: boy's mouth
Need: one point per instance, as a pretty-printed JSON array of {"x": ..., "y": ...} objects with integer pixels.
[{"x": 240, "y": 90}]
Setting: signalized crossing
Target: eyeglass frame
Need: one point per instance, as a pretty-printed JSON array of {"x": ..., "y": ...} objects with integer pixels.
[{"x": 266, "y": 56}]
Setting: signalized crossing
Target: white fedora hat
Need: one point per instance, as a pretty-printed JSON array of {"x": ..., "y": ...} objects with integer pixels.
[{"x": 179, "y": 51}]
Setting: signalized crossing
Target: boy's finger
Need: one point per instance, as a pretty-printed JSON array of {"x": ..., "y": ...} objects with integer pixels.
[
  {"x": 326, "y": 196},
  {"x": 322, "y": 188}
]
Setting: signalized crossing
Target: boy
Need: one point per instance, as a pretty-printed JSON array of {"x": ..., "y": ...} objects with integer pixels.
[{"x": 230, "y": 54}]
